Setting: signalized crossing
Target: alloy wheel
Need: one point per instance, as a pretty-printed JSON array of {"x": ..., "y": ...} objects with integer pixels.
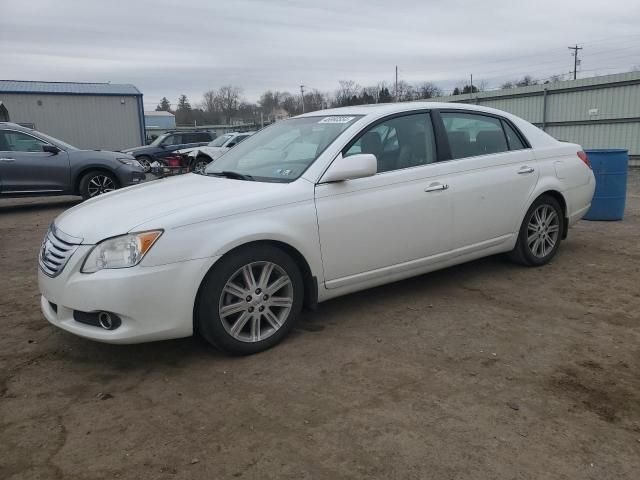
[
  {"x": 543, "y": 230},
  {"x": 100, "y": 184},
  {"x": 256, "y": 301},
  {"x": 145, "y": 163},
  {"x": 200, "y": 166}
]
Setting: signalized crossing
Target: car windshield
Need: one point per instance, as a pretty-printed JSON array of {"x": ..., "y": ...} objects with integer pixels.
[
  {"x": 218, "y": 142},
  {"x": 159, "y": 139},
  {"x": 57, "y": 142},
  {"x": 283, "y": 151}
]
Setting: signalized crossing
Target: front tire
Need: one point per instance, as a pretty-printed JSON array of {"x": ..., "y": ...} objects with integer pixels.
[
  {"x": 250, "y": 300},
  {"x": 540, "y": 233},
  {"x": 97, "y": 182},
  {"x": 200, "y": 163}
]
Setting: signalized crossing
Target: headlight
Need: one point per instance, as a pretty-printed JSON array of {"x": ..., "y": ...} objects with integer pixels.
[
  {"x": 129, "y": 161},
  {"x": 120, "y": 252}
]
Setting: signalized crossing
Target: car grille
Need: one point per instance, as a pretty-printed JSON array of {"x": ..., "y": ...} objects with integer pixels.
[{"x": 56, "y": 251}]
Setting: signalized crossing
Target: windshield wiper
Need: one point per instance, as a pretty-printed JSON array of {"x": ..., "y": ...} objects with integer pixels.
[{"x": 230, "y": 174}]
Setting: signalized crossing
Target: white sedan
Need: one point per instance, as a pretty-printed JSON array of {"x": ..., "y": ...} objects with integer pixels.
[
  {"x": 200, "y": 157},
  {"x": 308, "y": 209}
]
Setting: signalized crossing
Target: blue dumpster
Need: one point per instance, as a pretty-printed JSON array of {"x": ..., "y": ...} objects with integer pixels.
[{"x": 610, "y": 169}]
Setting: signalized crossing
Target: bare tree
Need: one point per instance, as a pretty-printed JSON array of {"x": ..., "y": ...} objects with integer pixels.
[
  {"x": 427, "y": 90},
  {"x": 228, "y": 97},
  {"x": 347, "y": 93}
]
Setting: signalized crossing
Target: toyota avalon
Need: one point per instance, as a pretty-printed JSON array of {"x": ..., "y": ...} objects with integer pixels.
[{"x": 305, "y": 210}]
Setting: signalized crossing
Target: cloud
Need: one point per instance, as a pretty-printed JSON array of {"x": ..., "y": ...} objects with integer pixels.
[{"x": 170, "y": 47}]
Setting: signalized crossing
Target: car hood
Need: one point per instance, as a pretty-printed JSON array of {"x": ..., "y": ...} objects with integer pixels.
[
  {"x": 83, "y": 155},
  {"x": 214, "y": 152},
  {"x": 172, "y": 202},
  {"x": 188, "y": 150},
  {"x": 140, "y": 150}
]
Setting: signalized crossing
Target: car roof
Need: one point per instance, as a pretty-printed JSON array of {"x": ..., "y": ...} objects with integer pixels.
[
  {"x": 15, "y": 126},
  {"x": 380, "y": 109}
]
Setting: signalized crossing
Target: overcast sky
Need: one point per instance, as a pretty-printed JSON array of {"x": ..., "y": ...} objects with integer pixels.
[{"x": 170, "y": 47}]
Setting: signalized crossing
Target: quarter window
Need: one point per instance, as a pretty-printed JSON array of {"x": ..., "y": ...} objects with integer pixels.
[
  {"x": 11, "y": 141},
  {"x": 515, "y": 143},
  {"x": 471, "y": 135},
  {"x": 400, "y": 142}
]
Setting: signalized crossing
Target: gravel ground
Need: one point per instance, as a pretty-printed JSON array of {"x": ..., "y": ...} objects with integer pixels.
[{"x": 486, "y": 370}]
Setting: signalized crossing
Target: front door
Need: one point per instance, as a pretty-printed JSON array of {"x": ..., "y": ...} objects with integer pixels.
[
  {"x": 391, "y": 222},
  {"x": 25, "y": 168}
]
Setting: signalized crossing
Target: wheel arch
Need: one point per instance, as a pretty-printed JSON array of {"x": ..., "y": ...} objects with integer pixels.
[
  {"x": 92, "y": 168},
  {"x": 560, "y": 198},
  {"x": 309, "y": 281}
]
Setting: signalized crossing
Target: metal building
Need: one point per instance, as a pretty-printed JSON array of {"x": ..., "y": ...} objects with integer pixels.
[
  {"x": 87, "y": 115},
  {"x": 159, "y": 120},
  {"x": 596, "y": 112}
]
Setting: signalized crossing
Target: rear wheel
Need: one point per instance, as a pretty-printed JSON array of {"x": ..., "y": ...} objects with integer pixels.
[
  {"x": 200, "y": 163},
  {"x": 250, "y": 300},
  {"x": 145, "y": 161},
  {"x": 96, "y": 183},
  {"x": 540, "y": 233}
]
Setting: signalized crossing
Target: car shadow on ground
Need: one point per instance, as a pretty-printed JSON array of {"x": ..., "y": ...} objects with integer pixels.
[{"x": 180, "y": 352}]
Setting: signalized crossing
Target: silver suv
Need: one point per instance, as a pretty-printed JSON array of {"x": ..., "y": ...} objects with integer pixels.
[{"x": 32, "y": 163}]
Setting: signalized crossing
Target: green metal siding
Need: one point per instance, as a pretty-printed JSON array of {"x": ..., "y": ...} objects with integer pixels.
[{"x": 597, "y": 112}]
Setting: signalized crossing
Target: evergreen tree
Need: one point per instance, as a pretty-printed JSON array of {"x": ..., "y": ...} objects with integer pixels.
[{"x": 164, "y": 105}]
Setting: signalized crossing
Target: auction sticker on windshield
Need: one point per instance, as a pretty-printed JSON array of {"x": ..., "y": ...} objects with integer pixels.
[{"x": 336, "y": 119}]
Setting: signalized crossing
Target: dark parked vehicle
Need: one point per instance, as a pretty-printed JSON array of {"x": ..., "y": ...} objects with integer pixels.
[
  {"x": 32, "y": 163},
  {"x": 164, "y": 146}
]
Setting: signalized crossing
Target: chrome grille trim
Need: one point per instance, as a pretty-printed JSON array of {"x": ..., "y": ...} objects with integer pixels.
[{"x": 57, "y": 248}]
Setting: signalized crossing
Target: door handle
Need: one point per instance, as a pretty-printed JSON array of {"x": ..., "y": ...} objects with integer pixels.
[
  {"x": 525, "y": 170},
  {"x": 435, "y": 187},
  {"x": 7, "y": 160}
]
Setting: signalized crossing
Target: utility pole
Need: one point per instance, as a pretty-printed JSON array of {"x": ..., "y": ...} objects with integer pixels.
[
  {"x": 576, "y": 62},
  {"x": 302, "y": 96},
  {"x": 471, "y": 89},
  {"x": 396, "y": 92}
]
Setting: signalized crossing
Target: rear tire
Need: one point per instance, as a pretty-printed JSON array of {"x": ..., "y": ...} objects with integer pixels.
[
  {"x": 97, "y": 182},
  {"x": 145, "y": 161},
  {"x": 540, "y": 233},
  {"x": 250, "y": 300}
]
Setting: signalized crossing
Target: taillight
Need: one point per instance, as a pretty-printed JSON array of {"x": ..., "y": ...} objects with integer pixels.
[
  {"x": 173, "y": 161},
  {"x": 584, "y": 158}
]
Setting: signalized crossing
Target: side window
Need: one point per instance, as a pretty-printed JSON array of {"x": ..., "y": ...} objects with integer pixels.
[
  {"x": 11, "y": 141},
  {"x": 170, "y": 140},
  {"x": 399, "y": 142},
  {"x": 471, "y": 134},
  {"x": 512, "y": 137}
]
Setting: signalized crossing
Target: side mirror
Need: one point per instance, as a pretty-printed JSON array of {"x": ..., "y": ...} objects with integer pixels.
[
  {"x": 349, "y": 168},
  {"x": 50, "y": 149}
]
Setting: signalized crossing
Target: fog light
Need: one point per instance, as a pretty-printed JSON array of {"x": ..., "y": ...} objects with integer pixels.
[{"x": 105, "y": 320}]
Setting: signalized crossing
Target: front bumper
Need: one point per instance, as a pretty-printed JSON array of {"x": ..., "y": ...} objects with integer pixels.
[
  {"x": 128, "y": 176},
  {"x": 154, "y": 303}
]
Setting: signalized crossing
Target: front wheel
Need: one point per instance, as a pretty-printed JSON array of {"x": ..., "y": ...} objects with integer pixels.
[
  {"x": 250, "y": 300},
  {"x": 540, "y": 233},
  {"x": 96, "y": 183},
  {"x": 200, "y": 164}
]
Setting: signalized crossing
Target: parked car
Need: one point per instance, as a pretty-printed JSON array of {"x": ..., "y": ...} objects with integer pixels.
[
  {"x": 305, "y": 210},
  {"x": 165, "y": 146},
  {"x": 32, "y": 163},
  {"x": 198, "y": 158}
]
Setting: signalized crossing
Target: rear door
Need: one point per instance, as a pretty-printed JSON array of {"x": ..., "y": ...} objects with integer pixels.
[
  {"x": 25, "y": 168},
  {"x": 491, "y": 173}
]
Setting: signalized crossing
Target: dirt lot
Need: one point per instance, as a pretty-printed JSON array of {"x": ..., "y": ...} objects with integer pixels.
[{"x": 487, "y": 370}]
